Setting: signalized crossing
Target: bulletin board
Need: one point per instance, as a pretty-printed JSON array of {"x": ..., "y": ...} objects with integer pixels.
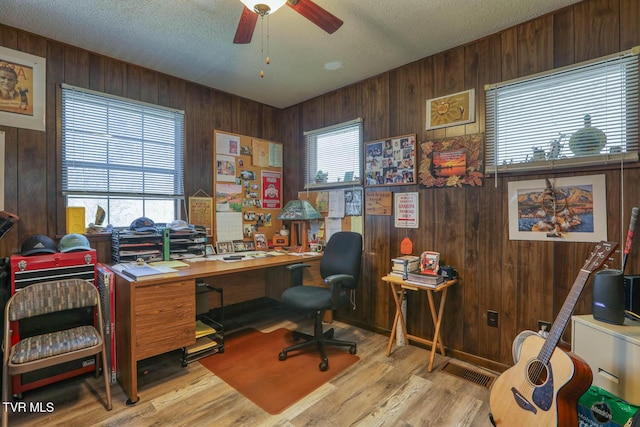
[
  {"x": 247, "y": 182},
  {"x": 349, "y": 217}
]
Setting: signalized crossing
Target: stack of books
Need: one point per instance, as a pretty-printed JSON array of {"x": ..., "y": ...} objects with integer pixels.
[
  {"x": 401, "y": 266},
  {"x": 422, "y": 279}
]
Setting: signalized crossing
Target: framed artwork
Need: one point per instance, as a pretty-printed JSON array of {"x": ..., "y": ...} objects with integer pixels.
[
  {"x": 209, "y": 250},
  {"x": 225, "y": 247},
  {"x": 239, "y": 246},
  {"x": 260, "y": 240},
  {"x": 452, "y": 162},
  {"x": 451, "y": 110},
  {"x": 201, "y": 212},
  {"x": 391, "y": 161},
  {"x": 22, "y": 96},
  {"x": 250, "y": 245},
  {"x": 571, "y": 209}
]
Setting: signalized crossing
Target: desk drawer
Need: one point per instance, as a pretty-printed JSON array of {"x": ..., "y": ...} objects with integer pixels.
[
  {"x": 164, "y": 318},
  {"x": 614, "y": 358}
]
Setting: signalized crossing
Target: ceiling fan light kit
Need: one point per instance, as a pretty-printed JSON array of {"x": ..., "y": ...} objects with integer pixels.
[
  {"x": 264, "y": 7},
  {"x": 307, "y": 8}
]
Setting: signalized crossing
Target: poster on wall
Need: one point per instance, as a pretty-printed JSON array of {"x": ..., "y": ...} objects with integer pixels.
[
  {"x": 271, "y": 190},
  {"x": 22, "y": 89},
  {"x": 571, "y": 209},
  {"x": 406, "y": 210}
]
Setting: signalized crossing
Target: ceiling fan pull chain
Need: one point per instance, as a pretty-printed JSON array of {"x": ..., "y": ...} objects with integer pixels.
[
  {"x": 262, "y": 42},
  {"x": 268, "y": 60}
]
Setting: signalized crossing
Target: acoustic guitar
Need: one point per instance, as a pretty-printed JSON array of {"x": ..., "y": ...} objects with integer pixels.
[{"x": 543, "y": 387}]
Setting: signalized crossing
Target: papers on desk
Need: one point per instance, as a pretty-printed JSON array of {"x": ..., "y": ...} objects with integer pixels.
[
  {"x": 170, "y": 264},
  {"x": 143, "y": 271}
]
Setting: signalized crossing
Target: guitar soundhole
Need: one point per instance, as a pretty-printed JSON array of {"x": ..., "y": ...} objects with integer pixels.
[{"x": 537, "y": 373}]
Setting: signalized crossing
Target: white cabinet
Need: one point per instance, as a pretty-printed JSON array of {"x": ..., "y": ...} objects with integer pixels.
[{"x": 612, "y": 352}]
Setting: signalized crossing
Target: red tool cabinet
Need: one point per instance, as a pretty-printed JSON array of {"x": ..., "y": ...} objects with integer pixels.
[{"x": 27, "y": 270}]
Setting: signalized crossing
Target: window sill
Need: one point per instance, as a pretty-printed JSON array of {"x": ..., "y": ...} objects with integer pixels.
[
  {"x": 320, "y": 185},
  {"x": 600, "y": 160}
]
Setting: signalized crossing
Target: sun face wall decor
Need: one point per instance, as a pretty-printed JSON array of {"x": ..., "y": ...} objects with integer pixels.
[{"x": 451, "y": 110}]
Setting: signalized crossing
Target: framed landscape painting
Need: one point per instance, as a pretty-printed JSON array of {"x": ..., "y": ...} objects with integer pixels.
[{"x": 571, "y": 209}]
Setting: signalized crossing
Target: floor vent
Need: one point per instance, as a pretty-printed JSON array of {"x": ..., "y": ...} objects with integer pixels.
[{"x": 468, "y": 374}]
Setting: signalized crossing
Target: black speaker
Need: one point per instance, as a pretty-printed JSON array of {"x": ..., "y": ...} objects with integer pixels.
[
  {"x": 632, "y": 293},
  {"x": 608, "y": 296}
]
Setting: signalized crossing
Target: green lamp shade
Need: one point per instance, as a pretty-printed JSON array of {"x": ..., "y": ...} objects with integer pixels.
[{"x": 299, "y": 210}]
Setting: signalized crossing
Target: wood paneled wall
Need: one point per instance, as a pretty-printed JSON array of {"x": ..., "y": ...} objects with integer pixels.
[
  {"x": 32, "y": 158},
  {"x": 523, "y": 281}
]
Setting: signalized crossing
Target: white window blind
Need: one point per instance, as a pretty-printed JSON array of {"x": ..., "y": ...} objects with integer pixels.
[
  {"x": 115, "y": 148},
  {"x": 334, "y": 155},
  {"x": 531, "y": 121}
]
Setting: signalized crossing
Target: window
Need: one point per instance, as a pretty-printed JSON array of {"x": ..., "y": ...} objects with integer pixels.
[
  {"x": 125, "y": 156},
  {"x": 334, "y": 155},
  {"x": 531, "y": 121}
]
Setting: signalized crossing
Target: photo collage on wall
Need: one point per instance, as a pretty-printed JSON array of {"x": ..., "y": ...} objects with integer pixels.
[
  {"x": 391, "y": 161},
  {"x": 248, "y": 187}
]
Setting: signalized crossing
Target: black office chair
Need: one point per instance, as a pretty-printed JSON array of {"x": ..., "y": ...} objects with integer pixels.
[{"x": 340, "y": 268}]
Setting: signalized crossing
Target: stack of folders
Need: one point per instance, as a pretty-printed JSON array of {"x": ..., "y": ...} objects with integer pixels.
[
  {"x": 403, "y": 265},
  {"x": 427, "y": 280}
]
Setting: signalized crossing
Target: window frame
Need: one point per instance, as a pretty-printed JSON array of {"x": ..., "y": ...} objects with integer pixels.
[
  {"x": 310, "y": 141},
  {"x": 166, "y": 130},
  {"x": 626, "y": 111}
]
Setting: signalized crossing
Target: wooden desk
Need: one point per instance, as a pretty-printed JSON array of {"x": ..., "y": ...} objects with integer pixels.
[
  {"x": 155, "y": 316},
  {"x": 398, "y": 288}
]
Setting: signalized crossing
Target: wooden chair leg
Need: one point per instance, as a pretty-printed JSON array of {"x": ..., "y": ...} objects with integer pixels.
[
  {"x": 107, "y": 376},
  {"x": 6, "y": 381}
]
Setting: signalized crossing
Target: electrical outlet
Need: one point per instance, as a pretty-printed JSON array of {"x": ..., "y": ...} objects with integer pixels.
[
  {"x": 492, "y": 318},
  {"x": 544, "y": 326}
]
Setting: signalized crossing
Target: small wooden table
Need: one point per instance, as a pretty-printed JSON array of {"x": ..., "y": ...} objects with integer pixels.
[{"x": 398, "y": 288}]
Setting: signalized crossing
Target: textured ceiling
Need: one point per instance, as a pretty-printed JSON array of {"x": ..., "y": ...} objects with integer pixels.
[{"x": 193, "y": 39}]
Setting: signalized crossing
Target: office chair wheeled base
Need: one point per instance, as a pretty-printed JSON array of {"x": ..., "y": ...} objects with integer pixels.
[{"x": 320, "y": 339}]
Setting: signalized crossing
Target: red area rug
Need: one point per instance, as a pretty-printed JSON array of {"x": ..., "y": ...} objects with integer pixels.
[{"x": 250, "y": 365}]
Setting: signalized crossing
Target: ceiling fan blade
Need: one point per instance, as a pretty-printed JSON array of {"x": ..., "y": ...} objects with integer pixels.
[
  {"x": 247, "y": 24},
  {"x": 316, "y": 14}
]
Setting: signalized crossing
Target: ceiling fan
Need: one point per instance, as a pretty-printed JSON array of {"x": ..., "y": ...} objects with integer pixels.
[{"x": 306, "y": 8}]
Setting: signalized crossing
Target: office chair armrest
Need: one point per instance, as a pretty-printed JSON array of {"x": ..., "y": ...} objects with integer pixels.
[
  {"x": 335, "y": 280},
  {"x": 297, "y": 273},
  {"x": 294, "y": 267}
]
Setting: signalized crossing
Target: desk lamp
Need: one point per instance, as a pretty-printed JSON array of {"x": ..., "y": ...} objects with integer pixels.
[{"x": 299, "y": 212}]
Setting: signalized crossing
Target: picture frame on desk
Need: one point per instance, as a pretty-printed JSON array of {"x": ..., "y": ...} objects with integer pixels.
[
  {"x": 224, "y": 247},
  {"x": 260, "y": 240},
  {"x": 209, "y": 250}
]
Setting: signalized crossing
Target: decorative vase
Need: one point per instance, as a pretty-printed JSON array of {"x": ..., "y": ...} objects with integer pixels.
[{"x": 588, "y": 140}]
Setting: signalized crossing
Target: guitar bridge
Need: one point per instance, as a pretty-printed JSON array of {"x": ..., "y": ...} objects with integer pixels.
[{"x": 522, "y": 401}]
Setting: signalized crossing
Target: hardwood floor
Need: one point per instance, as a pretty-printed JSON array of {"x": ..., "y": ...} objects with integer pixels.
[{"x": 376, "y": 391}]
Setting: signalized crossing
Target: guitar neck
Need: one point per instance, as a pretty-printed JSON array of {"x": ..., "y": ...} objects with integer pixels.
[{"x": 562, "y": 320}]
